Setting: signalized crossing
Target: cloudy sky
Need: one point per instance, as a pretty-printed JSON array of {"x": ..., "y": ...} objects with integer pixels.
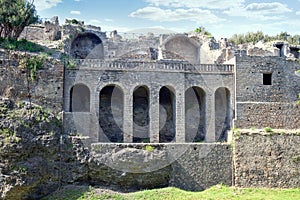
[{"x": 221, "y": 17}]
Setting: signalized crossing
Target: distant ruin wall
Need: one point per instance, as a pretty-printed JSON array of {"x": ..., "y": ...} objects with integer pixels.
[
  {"x": 267, "y": 160},
  {"x": 48, "y": 32}
]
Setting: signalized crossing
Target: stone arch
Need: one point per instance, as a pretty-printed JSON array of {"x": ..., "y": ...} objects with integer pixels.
[
  {"x": 222, "y": 113},
  {"x": 80, "y": 98},
  {"x": 111, "y": 114},
  {"x": 184, "y": 47},
  {"x": 87, "y": 46},
  {"x": 195, "y": 119},
  {"x": 167, "y": 114},
  {"x": 141, "y": 103}
]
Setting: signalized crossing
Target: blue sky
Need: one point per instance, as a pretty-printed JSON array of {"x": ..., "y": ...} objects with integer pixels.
[{"x": 221, "y": 17}]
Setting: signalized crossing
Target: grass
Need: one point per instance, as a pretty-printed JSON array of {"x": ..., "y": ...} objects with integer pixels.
[
  {"x": 20, "y": 45},
  {"x": 219, "y": 192}
]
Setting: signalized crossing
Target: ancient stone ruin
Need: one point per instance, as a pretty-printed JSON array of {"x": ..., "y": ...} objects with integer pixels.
[
  {"x": 122, "y": 92},
  {"x": 147, "y": 112}
]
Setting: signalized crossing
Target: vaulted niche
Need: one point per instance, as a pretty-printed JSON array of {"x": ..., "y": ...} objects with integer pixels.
[
  {"x": 167, "y": 114},
  {"x": 194, "y": 115},
  {"x": 87, "y": 46},
  {"x": 111, "y": 114},
  {"x": 184, "y": 47},
  {"x": 80, "y": 98},
  {"x": 222, "y": 113},
  {"x": 141, "y": 114}
]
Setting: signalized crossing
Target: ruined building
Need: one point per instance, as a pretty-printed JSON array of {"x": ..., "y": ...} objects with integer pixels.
[
  {"x": 173, "y": 88},
  {"x": 153, "y": 111}
]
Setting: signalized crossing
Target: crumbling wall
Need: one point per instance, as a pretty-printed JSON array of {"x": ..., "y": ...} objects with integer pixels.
[
  {"x": 266, "y": 159},
  {"x": 45, "y": 90}
]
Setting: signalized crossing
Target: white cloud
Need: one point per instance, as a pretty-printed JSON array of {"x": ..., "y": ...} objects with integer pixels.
[
  {"x": 298, "y": 12},
  {"x": 211, "y": 4},
  {"x": 75, "y": 12},
  {"x": 168, "y": 15},
  {"x": 261, "y": 11},
  {"x": 46, "y": 4},
  {"x": 109, "y": 20},
  {"x": 94, "y": 22},
  {"x": 77, "y": 0}
]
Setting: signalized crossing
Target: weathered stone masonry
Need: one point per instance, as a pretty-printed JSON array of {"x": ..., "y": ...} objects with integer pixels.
[
  {"x": 260, "y": 104},
  {"x": 96, "y": 75},
  {"x": 167, "y": 100},
  {"x": 266, "y": 159}
]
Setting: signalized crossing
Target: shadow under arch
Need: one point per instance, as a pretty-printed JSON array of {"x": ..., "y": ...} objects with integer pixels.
[
  {"x": 167, "y": 114},
  {"x": 222, "y": 113},
  {"x": 80, "y": 98},
  {"x": 87, "y": 46},
  {"x": 195, "y": 115},
  {"x": 141, "y": 103},
  {"x": 111, "y": 114}
]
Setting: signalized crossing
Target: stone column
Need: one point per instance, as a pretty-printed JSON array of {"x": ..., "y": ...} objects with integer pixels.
[
  {"x": 210, "y": 123},
  {"x": 128, "y": 117},
  {"x": 95, "y": 102},
  {"x": 180, "y": 116},
  {"x": 154, "y": 115}
]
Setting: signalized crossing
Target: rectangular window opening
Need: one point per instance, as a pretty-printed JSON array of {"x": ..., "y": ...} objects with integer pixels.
[{"x": 267, "y": 78}]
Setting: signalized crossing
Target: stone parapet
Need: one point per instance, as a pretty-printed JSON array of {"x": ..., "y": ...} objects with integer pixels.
[{"x": 97, "y": 64}]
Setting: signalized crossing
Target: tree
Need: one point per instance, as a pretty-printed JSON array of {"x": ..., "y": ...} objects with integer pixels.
[{"x": 14, "y": 16}]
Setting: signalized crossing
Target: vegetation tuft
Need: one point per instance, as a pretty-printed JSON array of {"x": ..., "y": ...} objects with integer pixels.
[
  {"x": 33, "y": 64},
  {"x": 268, "y": 129},
  {"x": 202, "y": 30},
  {"x": 149, "y": 148}
]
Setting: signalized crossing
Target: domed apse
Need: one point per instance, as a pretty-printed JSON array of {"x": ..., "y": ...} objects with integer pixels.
[
  {"x": 87, "y": 46},
  {"x": 185, "y": 47}
]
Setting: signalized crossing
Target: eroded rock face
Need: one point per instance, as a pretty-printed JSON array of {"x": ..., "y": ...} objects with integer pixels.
[{"x": 34, "y": 161}]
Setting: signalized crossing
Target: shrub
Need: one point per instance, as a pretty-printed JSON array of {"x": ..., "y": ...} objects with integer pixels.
[
  {"x": 33, "y": 64},
  {"x": 149, "y": 148}
]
